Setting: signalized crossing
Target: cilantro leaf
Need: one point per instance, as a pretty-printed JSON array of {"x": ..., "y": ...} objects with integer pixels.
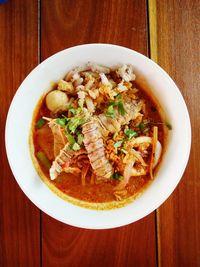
[
  {"x": 121, "y": 108},
  {"x": 130, "y": 133}
]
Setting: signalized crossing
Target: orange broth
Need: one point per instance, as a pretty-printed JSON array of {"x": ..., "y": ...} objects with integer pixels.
[{"x": 70, "y": 184}]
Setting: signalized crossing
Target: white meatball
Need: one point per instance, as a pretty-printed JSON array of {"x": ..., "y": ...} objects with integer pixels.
[{"x": 56, "y": 101}]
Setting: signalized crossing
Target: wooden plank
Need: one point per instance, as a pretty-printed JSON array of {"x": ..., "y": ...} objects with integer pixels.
[
  {"x": 69, "y": 23},
  {"x": 65, "y": 24},
  {"x": 20, "y": 220},
  {"x": 178, "y": 52},
  {"x": 69, "y": 246}
]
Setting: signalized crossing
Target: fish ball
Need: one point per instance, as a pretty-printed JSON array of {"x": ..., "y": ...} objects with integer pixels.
[{"x": 56, "y": 101}]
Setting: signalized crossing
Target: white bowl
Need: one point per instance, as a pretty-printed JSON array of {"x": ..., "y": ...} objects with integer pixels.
[{"x": 19, "y": 122}]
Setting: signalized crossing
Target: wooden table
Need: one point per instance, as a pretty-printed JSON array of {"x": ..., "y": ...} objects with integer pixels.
[{"x": 167, "y": 31}]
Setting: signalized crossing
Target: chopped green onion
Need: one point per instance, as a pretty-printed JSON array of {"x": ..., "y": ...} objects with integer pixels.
[
  {"x": 43, "y": 159},
  {"x": 80, "y": 138},
  {"x": 117, "y": 103},
  {"x": 74, "y": 123},
  {"x": 169, "y": 126},
  {"x": 118, "y": 97},
  {"x": 110, "y": 111},
  {"x": 130, "y": 133},
  {"x": 118, "y": 143},
  {"x": 70, "y": 139},
  {"x": 72, "y": 110},
  {"x": 117, "y": 176},
  {"x": 61, "y": 121},
  {"x": 76, "y": 146},
  {"x": 142, "y": 126},
  {"x": 121, "y": 108},
  {"x": 40, "y": 123}
]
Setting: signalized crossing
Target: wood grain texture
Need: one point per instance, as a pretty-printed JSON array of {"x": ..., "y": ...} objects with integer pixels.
[
  {"x": 132, "y": 245},
  {"x": 65, "y": 24},
  {"x": 178, "y": 47},
  {"x": 19, "y": 219},
  {"x": 68, "y": 23}
]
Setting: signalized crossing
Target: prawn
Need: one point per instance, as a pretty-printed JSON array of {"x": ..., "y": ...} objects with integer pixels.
[
  {"x": 94, "y": 145},
  {"x": 61, "y": 162}
]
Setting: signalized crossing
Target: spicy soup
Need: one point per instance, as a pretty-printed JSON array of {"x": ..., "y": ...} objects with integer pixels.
[{"x": 98, "y": 136}]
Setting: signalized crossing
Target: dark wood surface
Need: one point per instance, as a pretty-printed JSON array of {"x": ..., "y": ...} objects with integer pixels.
[
  {"x": 19, "y": 218},
  {"x": 33, "y": 30},
  {"x": 178, "y": 36}
]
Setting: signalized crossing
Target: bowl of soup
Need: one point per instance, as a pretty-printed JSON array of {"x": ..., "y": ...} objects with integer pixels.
[{"x": 102, "y": 136}]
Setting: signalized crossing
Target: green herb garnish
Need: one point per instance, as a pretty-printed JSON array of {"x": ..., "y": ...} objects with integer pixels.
[
  {"x": 75, "y": 122},
  {"x": 70, "y": 139},
  {"x": 118, "y": 97},
  {"x": 41, "y": 122},
  {"x": 110, "y": 111},
  {"x": 121, "y": 108},
  {"x": 76, "y": 146},
  {"x": 117, "y": 176},
  {"x": 118, "y": 143},
  {"x": 43, "y": 159},
  {"x": 80, "y": 138},
  {"x": 142, "y": 126},
  {"x": 130, "y": 133},
  {"x": 61, "y": 121},
  {"x": 117, "y": 103},
  {"x": 72, "y": 110}
]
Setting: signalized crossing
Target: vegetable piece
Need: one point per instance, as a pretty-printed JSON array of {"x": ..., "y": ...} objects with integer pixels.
[
  {"x": 80, "y": 139},
  {"x": 118, "y": 143},
  {"x": 118, "y": 97},
  {"x": 121, "y": 108},
  {"x": 110, "y": 111},
  {"x": 142, "y": 126},
  {"x": 72, "y": 110},
  {"x": 56, "y": 101},
  {"x": 76, "y": 147},
  {"x": 117, "y": 176},
  {"x": 117, "y": 103},
  {"x": 74, "y": 123},
  {"x": 41, "y": 122},
  {"x": 130, "y": 133},
  {"x": 61, "y": 121},
  {"x": 43, "y": 159},
  {"x": 154, "y": 142},
  {"x": 70, "y": 139}
]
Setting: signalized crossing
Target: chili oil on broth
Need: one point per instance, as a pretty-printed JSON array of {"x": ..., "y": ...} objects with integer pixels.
[{"x": 68, "y": 186}]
